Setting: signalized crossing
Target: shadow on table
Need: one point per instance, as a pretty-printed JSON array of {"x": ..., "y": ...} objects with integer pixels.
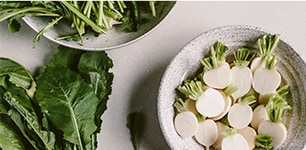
[{"x": 144, "y": 101}]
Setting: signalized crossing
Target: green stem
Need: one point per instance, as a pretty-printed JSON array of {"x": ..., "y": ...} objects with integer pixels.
[
  {"x": 229, "y": 132},
  {"x": 230, "y": 90},
  {"x": 271, "y": 62},
  {"x": 275, "y": 108},
  {"x": 243, "y": 57},
  {"x": 264, "y": 141},
  {"x": 247, "y": 99},
  {"x": 95, "y": 27},
  {"x": 191, "y": 89},
  {"x": 283, "y": 91},
  {"x": 267, "y": 44},
  {"x": 180, "y": 105}
]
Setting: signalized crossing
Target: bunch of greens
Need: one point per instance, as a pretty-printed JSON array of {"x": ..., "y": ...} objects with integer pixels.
[
  {"x": 59, "y": 109},
  {"x": 99, "y": 16}
]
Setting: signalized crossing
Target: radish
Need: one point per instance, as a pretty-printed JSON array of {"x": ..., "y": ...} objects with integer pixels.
[
  {"x": 264, "y": 141},
  {"x": 185, "y": 122},
  {"x": 274, "y": 126},
  {"x": 207, "y": 133},
  {"x": 267, "y": 80},
  {"x": 233, "y": 140},
  {"x": 217, "y": 72},
  {"x": 266, "y": 45},
  {"x": 227, "y": 104},
  {"x": 241, "y": 73},
  {"x": 259, "y": 114},
  {"x": 221, "y": 128},
  {"x": 210, "y": 103},
  {"x": 240, "y": 114},
  {"x": 283, "y": 91},
  {"x": 249, "y": 134}
]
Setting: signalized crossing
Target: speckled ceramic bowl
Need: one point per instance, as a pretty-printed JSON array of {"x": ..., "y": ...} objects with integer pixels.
[
  {"x": 114, "y": 38},
  {"x": 186, "y": 64}
]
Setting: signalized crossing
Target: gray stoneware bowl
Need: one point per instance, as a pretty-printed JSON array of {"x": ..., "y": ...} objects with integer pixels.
[
  {"x": 114, "y": 38},
  {"x": 186, "y": 64}
]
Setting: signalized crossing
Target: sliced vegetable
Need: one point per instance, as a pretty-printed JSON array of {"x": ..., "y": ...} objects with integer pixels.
[
  {"x": 249, "y": 134},
  {"x": 274, "y": 126},
  {"x": 241, "y": 74},
  {"x": 207, "y": 133},
  {"x": 267, "y": 80},
  {"x": 186, "y": 124},
  {"x": 221, "y": 128},
  {"x": 260, "y": 114},
  {"x": 211, "y": 103},
  {"x": 217, "y": 73},
  {"x": 266, "y": 45},
  {"x": 235, "y": 119},
  {"x": 227, "y": 105},
  {"x": 233, "y": 140}
]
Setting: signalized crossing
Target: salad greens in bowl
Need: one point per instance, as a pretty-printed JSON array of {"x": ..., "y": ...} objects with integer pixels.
[
  {"x": 87, "y": 25},
  {"x": 232, "y": 87}
]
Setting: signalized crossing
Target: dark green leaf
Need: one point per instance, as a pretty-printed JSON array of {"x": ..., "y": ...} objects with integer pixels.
[
  {"x": 95, "y": 66},
  {"x": 18, "y": 75},
  {"x": 69, "y": 103},
  {"x": 66, "y": 57},
  {"x": 9, "y": 139}
]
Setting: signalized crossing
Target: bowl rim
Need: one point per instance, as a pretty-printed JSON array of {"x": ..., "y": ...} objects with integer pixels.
[{"x": 27, "y": 19}]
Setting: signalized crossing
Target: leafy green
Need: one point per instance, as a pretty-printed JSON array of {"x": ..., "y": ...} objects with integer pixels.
[
  {"x": 264, "y": 141},
  {"x": 99, "y": 16},
  {"x": 132, "y": 121},
  {"x": 9, "y": 139},
  {"x": 69, "y": 100},
  {"x": 16, "y": 73}
]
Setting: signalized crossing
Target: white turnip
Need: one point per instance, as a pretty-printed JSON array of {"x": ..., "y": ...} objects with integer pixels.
[
  {"x": 249, "y": 134},
  {"x": 227, "y": 105},
  {"x": 267, "y": 80},
  {"x": 240, "y": 114},
  {"x": 186, "y": 124},
  {"x": 266, "y": 45},
  {"x": 210, "y": 103},
  {"x": 221, "y": 128},
  {"x": 207, "y": 133},
  {"x": 274, "y": 126},
  {"x": 217, "y": 72},
  {"x": 233, "y": 141},
  {"x": 241, "y": 73},
  {"x": 259, "y": 114}
]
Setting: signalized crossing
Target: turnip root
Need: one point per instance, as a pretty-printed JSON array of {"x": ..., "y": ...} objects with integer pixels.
[
  {"x": 221, "y": 128},
  {"x": 217, "y": 72},
  {"x": 259, "y": 114},
  {"x": 186, "y": 124},
  {"x": 235, "y": 117},
  {"x": 249, "y": 134},
  {"x": 227, "y": 105},
  {"x": 241, "y": 73},
  {"x": 267, "y": 80},
  {"x": 210, "y": 103},
  {"x": 266, "y": 45},
  {"x": 207, "y": 133},
  {"x": 274, "y": 126},
  {"x": 264, "y": 98},
  {"x": 233, "y": 141}
]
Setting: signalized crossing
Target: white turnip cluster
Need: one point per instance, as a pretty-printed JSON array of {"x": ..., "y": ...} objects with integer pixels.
[{"x": 237, "y": 105}]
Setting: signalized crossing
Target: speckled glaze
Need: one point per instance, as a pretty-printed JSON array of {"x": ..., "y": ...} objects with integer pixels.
[
  {"x": 186, "y": 65},
  {"x": 114, "y": 38}
]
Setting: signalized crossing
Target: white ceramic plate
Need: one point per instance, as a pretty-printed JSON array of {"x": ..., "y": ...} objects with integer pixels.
[
  {"x": 114, "y": 38},
  {"x": 186, "y": 64}
]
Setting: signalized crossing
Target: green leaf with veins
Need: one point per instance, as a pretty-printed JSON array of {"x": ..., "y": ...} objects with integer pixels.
[{"x": 69, "y": 103}]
